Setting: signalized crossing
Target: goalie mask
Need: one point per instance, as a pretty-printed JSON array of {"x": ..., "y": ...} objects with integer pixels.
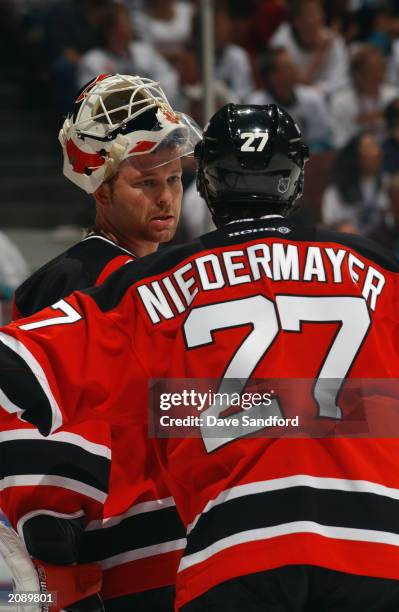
[{"x": 117, "y": 117}]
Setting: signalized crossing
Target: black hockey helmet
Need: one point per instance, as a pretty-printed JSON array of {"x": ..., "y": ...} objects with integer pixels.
[{"x": 250, "y": 162}]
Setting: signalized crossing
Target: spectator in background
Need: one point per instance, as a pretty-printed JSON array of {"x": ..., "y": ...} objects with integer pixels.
[
  {"x": 377, "y": 22},
  {"x": 358, "y": 190},
  {"x": 255, "y": 24},
  {"x": 390, "y": 145},
  {"x": 165, "y": 23},
  {"x": 72, "y": 27},
  {"x": 233, "y": 64},
  {"x": 341, "y": 18},
  {"x": 319, "y": 52},
  {"x": 279, "y": 76},
  {"x": 361, "y": 106},
  {"x": 187, "y": 65},
  {"x": 381, "y": 32},
  {"x": 123, "y": 54},
  {"x": 195, "y": 218},
  {"x": 13, "y": 268},
  {"x": 268, "y": 17},
  {"x": 13, "y": 271},
  {"x": 388, "y": 231},
  {"x": 393, "y": 59}
]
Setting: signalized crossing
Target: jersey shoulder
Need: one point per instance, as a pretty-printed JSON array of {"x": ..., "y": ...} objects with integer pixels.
[
  {"x": 77, "y": 268},
  {"x": 112, "y": 291}
]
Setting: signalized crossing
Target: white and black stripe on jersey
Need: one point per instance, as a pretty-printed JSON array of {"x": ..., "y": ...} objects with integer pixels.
[
  {"x": 62, "y": 459},
  {"x": 330, "y": 507},
  {"x": 72, "y": 477},
  {"x": 142, "y": 531}
]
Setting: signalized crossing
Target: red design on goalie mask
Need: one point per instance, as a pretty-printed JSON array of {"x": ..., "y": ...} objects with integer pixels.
[
  {"x": 82, "y": 162},
  {"x": 170, "y": 115},
  {"x": 90, "y": 86},
  {"x": 143, "y": 146}
]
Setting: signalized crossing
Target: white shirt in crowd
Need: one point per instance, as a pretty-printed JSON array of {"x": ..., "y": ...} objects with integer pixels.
[
  {"x": 309, "y": 111},
  {"x": 346, "y": 105},
  {"x": 196, "y": 217},
  {"x": 332, "y": 75},
  {"x": 234, "y": 68},
  {"x": 374, "y": 197},
  {"x": 392, "y": 71},
  {"x": 165, "y": 33},
  {"x": 13, "y": 267},
  {"x": 143, "y": 59}
]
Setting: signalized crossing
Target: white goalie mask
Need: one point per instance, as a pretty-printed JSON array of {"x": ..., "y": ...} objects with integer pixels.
[{"x": 118, "y": 117}]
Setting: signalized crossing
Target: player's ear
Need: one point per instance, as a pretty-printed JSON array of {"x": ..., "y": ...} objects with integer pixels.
[{"x": 102, "y": 195}]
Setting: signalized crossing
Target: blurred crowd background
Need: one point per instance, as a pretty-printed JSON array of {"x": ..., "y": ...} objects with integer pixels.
[{"x": 333, "y": 64}]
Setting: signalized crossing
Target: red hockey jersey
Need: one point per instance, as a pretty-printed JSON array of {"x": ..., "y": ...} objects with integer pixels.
[
  {"x": 71, "y": 473},
  {"x": 254, "y": 300}
]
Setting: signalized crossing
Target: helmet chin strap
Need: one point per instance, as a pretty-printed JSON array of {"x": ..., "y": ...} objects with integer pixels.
[
  {"x": 64, "y": 132},
  {"x": 115, "y": 156}
]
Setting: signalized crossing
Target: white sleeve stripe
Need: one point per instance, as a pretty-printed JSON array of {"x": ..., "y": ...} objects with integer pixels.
[
  {"x": 45, "y": 480},
  {"x": 298, "y": 480},
  {"x": 8, "y": 405},
  {"x": 67, "y": 437},
  {"x": 149, "y": 506},
  {"x": 304, "y": 527},
  {"x": 40, "y": 512},
  {"x": 21, "y": 350},
  {"x": 142, "y": 553}
]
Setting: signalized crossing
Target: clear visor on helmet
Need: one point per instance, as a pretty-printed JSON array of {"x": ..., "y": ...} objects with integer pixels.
[{"x": 165, "y": 145}]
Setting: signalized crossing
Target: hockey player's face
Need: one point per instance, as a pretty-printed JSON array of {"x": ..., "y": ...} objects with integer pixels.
[{"x": 145, "y": 205}]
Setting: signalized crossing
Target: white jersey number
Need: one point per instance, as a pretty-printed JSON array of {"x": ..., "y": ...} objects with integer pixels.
[
  {"x": 250, "y": 137},
  {"x": 267, "y": 319},
  {"x": 71, "y": 316}
]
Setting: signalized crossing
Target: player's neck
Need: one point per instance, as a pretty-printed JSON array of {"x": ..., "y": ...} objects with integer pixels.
[{"x": 137, "y": 247}]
